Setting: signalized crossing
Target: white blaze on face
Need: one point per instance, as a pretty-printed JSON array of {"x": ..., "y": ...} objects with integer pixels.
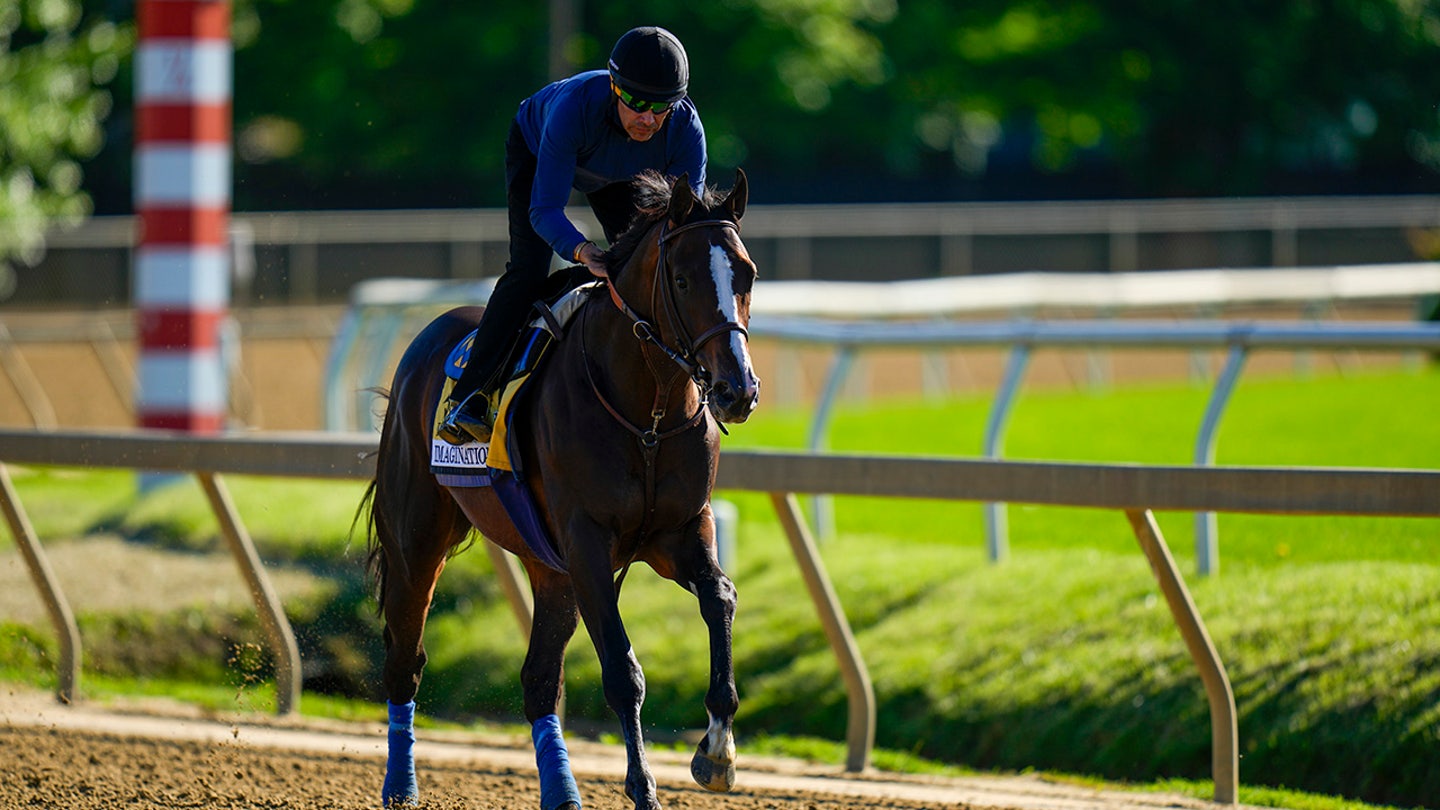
[
  {"x": 724, "y": 281},
  {"x": 724, "y": 274}
]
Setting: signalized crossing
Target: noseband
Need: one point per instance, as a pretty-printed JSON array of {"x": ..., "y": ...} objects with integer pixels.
[{"x": 662, "y": 298}]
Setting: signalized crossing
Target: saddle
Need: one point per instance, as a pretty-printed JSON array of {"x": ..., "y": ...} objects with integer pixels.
[{"x": 497, "y": 464}]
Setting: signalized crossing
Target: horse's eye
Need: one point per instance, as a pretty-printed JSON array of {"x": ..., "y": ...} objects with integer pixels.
[{"x": 682, "y": 284}]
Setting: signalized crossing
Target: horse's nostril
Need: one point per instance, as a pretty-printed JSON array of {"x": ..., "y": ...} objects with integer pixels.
[{"x": 723, "y": 393}]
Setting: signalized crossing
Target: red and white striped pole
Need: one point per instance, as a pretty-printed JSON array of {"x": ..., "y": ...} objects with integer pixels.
[{"x": 182, "y": 198}]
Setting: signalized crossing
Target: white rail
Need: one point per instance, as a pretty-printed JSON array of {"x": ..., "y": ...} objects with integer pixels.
[
  {"x": 1028, "y": 292},
  {"x": 1022, "y": 337},
  {"x": 385, "y": 310}
]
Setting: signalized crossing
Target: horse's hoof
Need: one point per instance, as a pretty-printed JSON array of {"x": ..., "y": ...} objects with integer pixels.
[{"x": 711, "y": 773}]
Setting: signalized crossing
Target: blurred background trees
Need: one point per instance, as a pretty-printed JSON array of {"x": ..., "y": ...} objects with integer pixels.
[
  {"x": 405, "y": 103},
  {"x": 53, "y": 61}
]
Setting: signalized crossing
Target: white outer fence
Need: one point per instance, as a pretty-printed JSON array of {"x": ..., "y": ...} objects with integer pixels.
[
  {"x": 384, "y": 311},
  {"x": 1134, "y": 489},
  {"x": 1238, "y": 338},
  {"x": 387, "y": 311}
]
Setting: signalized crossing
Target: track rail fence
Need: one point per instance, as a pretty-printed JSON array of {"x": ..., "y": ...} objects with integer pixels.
[
  {"x": 1136, "y": 490},
  {"x": 853, "y": 318}
]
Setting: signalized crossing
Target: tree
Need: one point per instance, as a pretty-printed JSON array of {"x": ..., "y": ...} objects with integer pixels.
[
  {"x": 53, "y": 64},
  {"x": 401, "y": 103},
  {"x": 1184, "y": 97}
]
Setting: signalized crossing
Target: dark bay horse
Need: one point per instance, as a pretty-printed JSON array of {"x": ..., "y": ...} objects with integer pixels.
[{"x": 620, "y": 446}]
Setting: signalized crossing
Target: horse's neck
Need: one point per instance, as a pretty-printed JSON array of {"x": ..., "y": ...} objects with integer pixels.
[{"x": 632, "y": 374}]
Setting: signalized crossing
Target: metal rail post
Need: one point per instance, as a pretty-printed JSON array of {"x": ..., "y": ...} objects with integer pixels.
[
  {"x": 336, "y": 404},
  {"x": 117, "y": 367},
  {"x": 507, "y": 570},
  {"x": 27, "y": 385},
  {"x": 823, "y": 506},
  {"x": 1207, "y": 528},
  {"x": 267, "y": 601},
  {"x": 1224, "y": 729},
  {"x": 860, "y": 725},
  {"x": 67, "y": 674},
  {"x": 997, "y": 531}
]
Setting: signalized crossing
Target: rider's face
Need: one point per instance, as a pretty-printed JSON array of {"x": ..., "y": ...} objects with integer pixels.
[{"x": 640, "y": 126}]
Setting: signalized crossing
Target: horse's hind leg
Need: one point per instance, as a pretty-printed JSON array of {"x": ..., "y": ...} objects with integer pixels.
[
  {"x": 416, "y": 543},
  {"x": 543, "y": 679}
]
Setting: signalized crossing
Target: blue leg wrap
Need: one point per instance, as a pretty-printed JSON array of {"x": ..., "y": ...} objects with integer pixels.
[
  {"x": 557, "y": 784},
  {"x": 400, "y": 786}
]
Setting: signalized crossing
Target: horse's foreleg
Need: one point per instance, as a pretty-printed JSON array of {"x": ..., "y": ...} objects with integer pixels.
[
  {"x": 543, "y": 679},
  {"x": 620, "y": 672},
  {"x": 713, "y": 765}
]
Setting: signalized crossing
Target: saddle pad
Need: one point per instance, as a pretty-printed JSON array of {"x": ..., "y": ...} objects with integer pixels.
[
  {"x": 467, "y": 465},
  {"x": 457, "y": 465},
  {"x": 473, "y": 464}
]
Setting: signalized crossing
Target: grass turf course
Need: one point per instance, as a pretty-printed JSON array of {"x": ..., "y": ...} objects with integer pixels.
[{"x": 1063, "y": 658}]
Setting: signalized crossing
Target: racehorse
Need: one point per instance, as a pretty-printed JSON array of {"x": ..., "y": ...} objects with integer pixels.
[{"x": 619, "y": 449}]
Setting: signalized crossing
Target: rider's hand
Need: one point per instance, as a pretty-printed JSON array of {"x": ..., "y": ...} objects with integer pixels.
[{"x": 591, "y": 256}]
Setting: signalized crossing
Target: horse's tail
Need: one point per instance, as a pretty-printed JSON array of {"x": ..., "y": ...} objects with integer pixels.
[
  {"x": 379, "y": 534},
  {"x": 410, "y": 521},
  {"x": 397, "y": 511}
]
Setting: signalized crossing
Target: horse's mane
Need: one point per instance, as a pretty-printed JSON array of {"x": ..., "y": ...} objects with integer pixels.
[{"x": 652, "y": 201}]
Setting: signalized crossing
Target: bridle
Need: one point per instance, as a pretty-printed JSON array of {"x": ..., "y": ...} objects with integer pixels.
[
  {"x": 662, "y": 298},
  {"x": 684, "y": 355}
]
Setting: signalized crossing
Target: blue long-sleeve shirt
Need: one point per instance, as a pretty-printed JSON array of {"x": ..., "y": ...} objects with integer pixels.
[{"x": 573, "y": 128}]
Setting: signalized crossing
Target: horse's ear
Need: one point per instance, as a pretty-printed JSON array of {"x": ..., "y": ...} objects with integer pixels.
[
  {"x": 682, "y": 199},
  {"x": 739, "y": 195}
]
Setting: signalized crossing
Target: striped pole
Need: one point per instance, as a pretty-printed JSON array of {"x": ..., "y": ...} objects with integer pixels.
[{"x": 182, "y": 198}]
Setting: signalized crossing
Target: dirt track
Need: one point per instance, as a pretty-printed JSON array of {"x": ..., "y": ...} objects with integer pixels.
[{"x": 89, "y": 757}]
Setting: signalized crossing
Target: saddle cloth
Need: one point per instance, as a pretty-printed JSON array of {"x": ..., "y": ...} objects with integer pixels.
[{"x": 496, "y": 464}]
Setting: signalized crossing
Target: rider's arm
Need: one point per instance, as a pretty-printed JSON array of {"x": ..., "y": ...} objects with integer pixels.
[
  {"x": 687, "y": 145},
  {"x": 560, "y": 143}
]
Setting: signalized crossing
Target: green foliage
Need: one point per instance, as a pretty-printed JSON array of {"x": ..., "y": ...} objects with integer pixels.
[
  {"x": 69, "y": 503},
  {"x": 393, "y": 103},
  {"x": 390, "y": 103},
  {"x": 53, "y": 62}
]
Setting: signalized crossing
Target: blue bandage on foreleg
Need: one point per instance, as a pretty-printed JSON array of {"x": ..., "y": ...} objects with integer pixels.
[
  {"x": 557, "y": 784},
  {"x": 400, "y": 786}
]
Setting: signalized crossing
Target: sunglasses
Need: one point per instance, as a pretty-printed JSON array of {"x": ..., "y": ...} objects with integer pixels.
[{"x": 640, "y": 105}]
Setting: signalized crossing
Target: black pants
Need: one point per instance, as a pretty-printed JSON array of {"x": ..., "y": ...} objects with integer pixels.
[{"x": 527, "y": 277}]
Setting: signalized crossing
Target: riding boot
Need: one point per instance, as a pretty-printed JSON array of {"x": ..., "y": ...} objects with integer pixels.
[{"x": 472, "y": 419}]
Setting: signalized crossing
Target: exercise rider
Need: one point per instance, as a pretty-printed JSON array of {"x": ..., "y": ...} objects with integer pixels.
[{"x": 591, "y": 132}]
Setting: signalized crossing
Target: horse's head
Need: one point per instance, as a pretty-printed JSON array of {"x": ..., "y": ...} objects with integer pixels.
[{"x": 700, "y": 294}]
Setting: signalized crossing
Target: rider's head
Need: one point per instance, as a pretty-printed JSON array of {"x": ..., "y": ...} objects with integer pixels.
[{"x": 648, "y": 64}]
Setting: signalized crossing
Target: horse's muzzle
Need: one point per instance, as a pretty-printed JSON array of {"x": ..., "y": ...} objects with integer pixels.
[{"x": 732, "y": 401}]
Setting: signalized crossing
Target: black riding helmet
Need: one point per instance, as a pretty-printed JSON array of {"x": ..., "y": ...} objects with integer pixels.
[{"x": 650, "y": 64}]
